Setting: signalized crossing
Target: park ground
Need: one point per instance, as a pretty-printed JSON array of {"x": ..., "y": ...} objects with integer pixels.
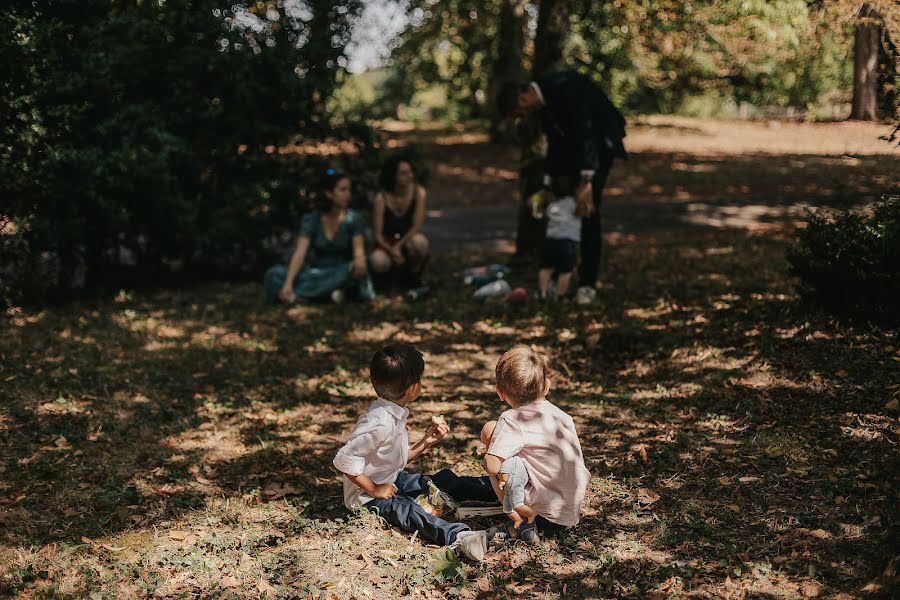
[{"x": 741, "y": 442}]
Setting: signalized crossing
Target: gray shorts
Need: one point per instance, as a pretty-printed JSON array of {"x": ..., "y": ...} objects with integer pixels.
[{"x": 514, "y": 490}]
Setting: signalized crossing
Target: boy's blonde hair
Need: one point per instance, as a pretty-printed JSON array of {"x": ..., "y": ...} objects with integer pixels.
[{"x": 521, "y": 374}]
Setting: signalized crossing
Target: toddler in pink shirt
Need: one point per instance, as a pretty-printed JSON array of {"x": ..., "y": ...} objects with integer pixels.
[{"x": 543, "y": 437}]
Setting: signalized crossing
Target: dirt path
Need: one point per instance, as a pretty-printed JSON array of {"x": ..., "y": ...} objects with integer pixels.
[{"x": 682, "y": 173}]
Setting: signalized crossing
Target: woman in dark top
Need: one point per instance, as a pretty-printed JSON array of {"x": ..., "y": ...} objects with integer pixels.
[
  {"x": 329, "y": 261},
  {"x": 397, "y": 217}
]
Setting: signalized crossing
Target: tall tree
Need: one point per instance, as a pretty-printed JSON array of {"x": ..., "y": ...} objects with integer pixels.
[
  {"x": 549, "y": 50},
  {"x": 551, "y": 36},
  {"x": 865, "y": 65},
  {"x": 508, "y": 64}
]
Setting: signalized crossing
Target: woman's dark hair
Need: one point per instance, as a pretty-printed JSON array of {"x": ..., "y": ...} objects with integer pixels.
[
  {"x": 327, "y": 183},
  {"x": 394, "y": 368},
  {"x": 388, "y": 177}
]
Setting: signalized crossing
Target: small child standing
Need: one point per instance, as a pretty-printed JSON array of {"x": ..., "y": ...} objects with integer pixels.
[
  {"x": 559, "y": 252},
  {"x": 513, "y": 477},
  {"x": 543, "y": 437},
  {"x": 377, "y": 451}
]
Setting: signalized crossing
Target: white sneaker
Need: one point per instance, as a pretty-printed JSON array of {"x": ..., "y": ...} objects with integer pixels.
[
  {"x": 585, "y": 295},
  {"x": 337, "y": 296},
  {"x": 473, "y": 544}
]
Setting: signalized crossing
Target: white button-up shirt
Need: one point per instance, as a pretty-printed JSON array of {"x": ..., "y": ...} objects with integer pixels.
[{"x": 378, "y": 447}]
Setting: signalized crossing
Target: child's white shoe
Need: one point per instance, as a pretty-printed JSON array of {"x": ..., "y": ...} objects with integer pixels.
[
  {"x": 473, "y": 544},
  {"x": 585, "y": 295}
]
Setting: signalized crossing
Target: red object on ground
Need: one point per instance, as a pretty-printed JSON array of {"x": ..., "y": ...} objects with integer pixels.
[{"x": 517, "y": 296}]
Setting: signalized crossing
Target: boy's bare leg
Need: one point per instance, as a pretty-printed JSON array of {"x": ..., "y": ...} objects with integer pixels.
[
  {"x": 544, "y": 276},
  {"x": 516, "y": 519},
  {"x": 562, "y": 283},
  {"x": 495, "y": 483},
  {"x": 525, "y": 512}
]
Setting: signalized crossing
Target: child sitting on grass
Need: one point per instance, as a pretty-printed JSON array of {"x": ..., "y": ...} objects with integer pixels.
[
  {"x": 512, "y": 478},
  {"x": 544, "y": 438},
  {"x": 377, "y": 451}
]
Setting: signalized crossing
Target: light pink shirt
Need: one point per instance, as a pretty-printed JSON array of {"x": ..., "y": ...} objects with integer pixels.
[{"x": 544, "y": 437}]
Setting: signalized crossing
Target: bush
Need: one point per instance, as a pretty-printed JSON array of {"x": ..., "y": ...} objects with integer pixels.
[
  {"x": 137, "y": 139},
  {"x": 850, "y": 262}
]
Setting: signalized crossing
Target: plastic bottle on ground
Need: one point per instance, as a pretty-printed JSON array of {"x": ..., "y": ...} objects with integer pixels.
[{"x": 494, "y": 289}]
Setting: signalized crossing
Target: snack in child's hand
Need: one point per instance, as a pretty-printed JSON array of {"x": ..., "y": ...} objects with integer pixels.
[{"x": 440, "y": 422}]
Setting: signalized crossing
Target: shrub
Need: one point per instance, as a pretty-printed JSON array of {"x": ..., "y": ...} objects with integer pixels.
[
  {"x": 137, "y": 138},
  {"x": 850, "y": 262}
]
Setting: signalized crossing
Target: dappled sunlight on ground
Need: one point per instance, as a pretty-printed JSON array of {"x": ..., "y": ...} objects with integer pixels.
[{"x": 180, "y": 443}]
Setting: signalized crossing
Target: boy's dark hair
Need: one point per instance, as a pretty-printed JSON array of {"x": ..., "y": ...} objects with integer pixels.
[
  {"x": 329, "y": 181},
  {"x": 508, "y": 97},
  {"x": 387, "y": 179},
  {"x": 394, "y": 368}
]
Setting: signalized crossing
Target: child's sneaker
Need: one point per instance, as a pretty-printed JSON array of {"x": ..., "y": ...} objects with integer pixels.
[
  {"x": 528, "y": 533},
  {"x": 498, "y": 534},
  {"x": 473, "y": 544}
]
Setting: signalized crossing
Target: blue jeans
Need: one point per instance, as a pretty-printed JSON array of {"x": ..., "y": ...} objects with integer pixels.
[
  {"x": 479, "y": 489},
  {"x": 404, "y": 512}
]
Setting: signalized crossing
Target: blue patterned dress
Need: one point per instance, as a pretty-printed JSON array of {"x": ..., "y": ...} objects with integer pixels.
[{"x": 328, "y": 262}]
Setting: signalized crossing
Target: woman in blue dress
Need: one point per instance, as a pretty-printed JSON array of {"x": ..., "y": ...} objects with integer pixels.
[{"x": 329, "y": 262}]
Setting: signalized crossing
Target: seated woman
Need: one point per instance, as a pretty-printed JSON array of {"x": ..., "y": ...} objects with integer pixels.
[
  {"x": 332, "y": 246},
  {"x": 397, "y": 217}
]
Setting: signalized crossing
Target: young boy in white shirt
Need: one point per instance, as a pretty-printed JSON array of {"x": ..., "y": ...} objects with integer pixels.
[
  {"x": 377, "y": 451},
  {"x": 559, "y": 254}
]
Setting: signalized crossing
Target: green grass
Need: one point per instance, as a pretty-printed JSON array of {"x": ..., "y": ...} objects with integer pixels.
[{"x": 180, "y": 443}]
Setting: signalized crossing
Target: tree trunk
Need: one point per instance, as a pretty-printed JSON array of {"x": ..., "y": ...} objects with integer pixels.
[
  {"x": 550, "y": 39},
  {"x": 549, "y": 43},
  {"x": 508, "y": 66},
  {"x": 865, "y": 66}
]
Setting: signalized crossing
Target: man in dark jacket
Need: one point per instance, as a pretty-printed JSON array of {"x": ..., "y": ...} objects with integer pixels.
[{"x": 584, "y": 134}]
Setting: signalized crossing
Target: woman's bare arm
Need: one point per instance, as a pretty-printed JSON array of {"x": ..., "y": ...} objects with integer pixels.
[{"x": 297, "y": 258}]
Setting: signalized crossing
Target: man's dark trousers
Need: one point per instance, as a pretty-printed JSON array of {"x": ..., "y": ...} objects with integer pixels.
[
  {"x": 404, "y": 512},
  {"x": 591, "y": 230}
]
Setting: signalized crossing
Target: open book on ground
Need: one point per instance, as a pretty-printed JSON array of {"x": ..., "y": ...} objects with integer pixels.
[{"x": 470, "y": 509}]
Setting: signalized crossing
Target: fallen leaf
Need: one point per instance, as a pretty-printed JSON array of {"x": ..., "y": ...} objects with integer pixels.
[
  {"x": 893, "y": 404},
  {"x": 748, "y": 479},
  {"x": 779, "y": 559},
  {"x": 647, "y": 496},
  {"x": 774, "y": 451},
  {"x": 724, "y": 481},
  {"x": 178, "y": 535},
  {"x": 87, "y": 540},
  {"x": 734, "y": 507},
  {"x": 265, "y": 588},
  {"x": 484, "y": 584},
  {"x": 112, "y": 548},
  {"x": 229, "y": 581},
  {"x": 809, "y": 589},
  {"x": 820, "y": 534}
]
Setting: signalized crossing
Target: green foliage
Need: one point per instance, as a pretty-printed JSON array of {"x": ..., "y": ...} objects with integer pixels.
[
  {"x": 139, "y": 137},
  {"x": 650, "y": 55},
  {"x": 851, "y": 262},
  {"x": 445, "y": 55}
]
